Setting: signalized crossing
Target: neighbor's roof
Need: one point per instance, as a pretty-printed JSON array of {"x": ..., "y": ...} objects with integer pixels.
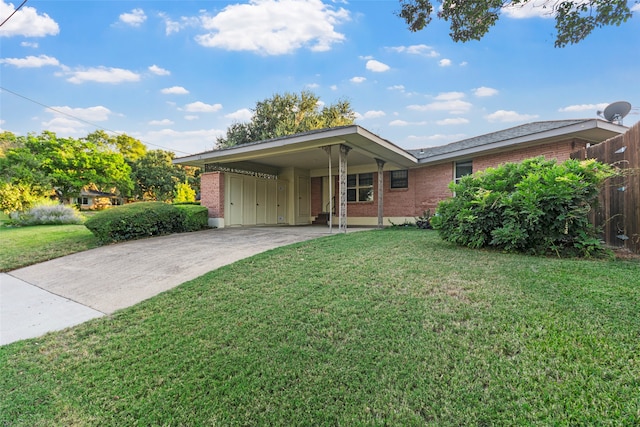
[{"x": 591, "y": 130}]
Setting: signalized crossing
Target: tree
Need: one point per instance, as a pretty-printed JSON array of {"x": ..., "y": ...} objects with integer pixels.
[
  {"x": 45, "y": 163},
  {"x": 183, "y": 193},
  {"x": 131, "y": 148},
  {"x": 156, "y": 176},
  {"x": 287, "y": 114},
  {"x": 472, "y": 19}
]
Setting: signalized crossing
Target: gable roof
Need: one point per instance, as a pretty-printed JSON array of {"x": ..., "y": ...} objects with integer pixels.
[{"x": 590, "y": 130}]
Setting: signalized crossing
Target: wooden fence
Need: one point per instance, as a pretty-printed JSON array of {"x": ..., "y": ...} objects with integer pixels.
[{"x": 618, "y": 212}]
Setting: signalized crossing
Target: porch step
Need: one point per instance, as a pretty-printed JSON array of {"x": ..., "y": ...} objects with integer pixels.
[{"x": 322, "y": 218}]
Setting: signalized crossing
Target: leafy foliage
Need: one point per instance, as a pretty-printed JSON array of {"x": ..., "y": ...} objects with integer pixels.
[
  {"x": 183, "y": 193},
  {"x": 536, "y": 207},
  {"x": 145, "y": 219},
  {"x": 471, "y": 20},
  {"x": 287, "y": 114},
  {"x": 47, "y": 213}
]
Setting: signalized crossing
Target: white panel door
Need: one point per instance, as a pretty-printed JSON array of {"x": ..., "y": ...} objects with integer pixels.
[{"x": 235, "y": 211}]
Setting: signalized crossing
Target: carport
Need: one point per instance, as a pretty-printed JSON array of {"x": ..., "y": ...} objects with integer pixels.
[{"x": 269, "y": 182}]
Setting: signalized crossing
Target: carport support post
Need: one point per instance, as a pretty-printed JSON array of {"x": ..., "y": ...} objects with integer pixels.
[
  {"x": 380, "y": 192},
  {"x": 327, "y": 150},
  {"x": 344, "y": 150}
]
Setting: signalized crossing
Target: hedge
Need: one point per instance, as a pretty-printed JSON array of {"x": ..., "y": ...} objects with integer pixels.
[{"x": 145, "y": 219}]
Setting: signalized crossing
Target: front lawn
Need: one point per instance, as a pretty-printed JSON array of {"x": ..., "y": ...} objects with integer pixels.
[
  {"x": 22, "y": 246},
  {"x": 390, "y": 327}
]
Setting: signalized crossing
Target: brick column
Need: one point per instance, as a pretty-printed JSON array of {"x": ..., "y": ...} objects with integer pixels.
[{"x": 212, "y": 196}]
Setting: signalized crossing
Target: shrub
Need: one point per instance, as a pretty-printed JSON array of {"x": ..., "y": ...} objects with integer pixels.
[
  {"x": 47, "y": 212},
  {"x": 146, "y": 219},
  {"x": 536, "y": 207},
  {"x": 195, "y": 217},
  {"x": 183, "y": 193}
]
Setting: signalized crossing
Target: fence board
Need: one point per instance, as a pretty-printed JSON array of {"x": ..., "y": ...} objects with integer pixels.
[{"x": 618, "y": 213}]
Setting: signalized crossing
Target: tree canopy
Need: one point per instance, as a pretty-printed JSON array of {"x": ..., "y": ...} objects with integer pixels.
[
  {"x": 472, "y": 19},
  {"x": 287, "y": 114}
]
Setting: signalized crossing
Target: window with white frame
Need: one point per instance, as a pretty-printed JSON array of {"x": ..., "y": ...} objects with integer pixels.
[
  {"x": 400, "y": 179},
  {"x": 360, "y": 187},
  {"x": 462, "y": 168}
]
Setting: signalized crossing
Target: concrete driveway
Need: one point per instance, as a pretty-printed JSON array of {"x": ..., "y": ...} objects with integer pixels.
[{"x": 73, "y": 289}]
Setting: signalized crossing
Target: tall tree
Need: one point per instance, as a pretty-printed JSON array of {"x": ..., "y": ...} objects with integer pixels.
[
  {"x": 472, "y": 19},
  {"x": 131, "y": 148},
  {"x": 287, "y": 114},
  {"x": 156, "y": 176}
]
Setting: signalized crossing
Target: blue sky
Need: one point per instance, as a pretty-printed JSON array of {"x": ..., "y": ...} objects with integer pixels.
[{"x": 176, "y": 74}]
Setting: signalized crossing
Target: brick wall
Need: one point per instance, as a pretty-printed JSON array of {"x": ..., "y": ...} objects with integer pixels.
[
  {"x": 212, "y": 193},
  {"x": 556, "y": 150}
]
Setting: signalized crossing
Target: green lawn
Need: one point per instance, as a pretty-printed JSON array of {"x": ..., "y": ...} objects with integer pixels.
[
  {"x": 389, "y": 327},
  {"x": 22, "y": 246}
]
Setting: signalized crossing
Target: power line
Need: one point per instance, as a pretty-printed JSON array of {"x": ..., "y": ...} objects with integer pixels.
[
  {"x": 13, "y": 13},
  {"x": 85, "y": 121}
]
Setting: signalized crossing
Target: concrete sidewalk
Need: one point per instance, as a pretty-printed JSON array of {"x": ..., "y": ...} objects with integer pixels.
[{"x": 67, "y": 291}]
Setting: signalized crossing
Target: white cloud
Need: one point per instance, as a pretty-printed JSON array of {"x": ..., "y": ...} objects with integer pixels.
[
  {"x": 90, "y": 114},
  {"x": 455, "y": 106},
  {"x": 464, "y": 63},
  {"x": 103, "y": 75},
  {"x": 65, "y": 125},
  {"x": 312, "y": 85},
  {"x": 174, "y": 90},
  {"x": 357, "y": 79},
  {"x": 509, "y": 116},
  {"x": 635, "y": 7},
  {"x": 159, "y": 71},
  {"x": 29, "y": 44},
  {"x": 191, "y": 117},
  {"x": 583, "y": 107},
  {"x": 398, "y": 123},
  {"x": 418, "y": 49},
  {"x": 449, "y": 96},
  {"x": 399, "y": 88},
  {"x": 191, "y": 141},
  {"x": 365, "y": 57},
  {"x": 484, "y": 91},
  {"x": 242, "y": 115},
  {"x": 201, "y": 107},
  {"x": 135, "y": 18},
  {"x": 274, "y": 27},
  {"x": 377, "y": 66},
  {"x": 333, "y": 87},
  {"x": 453, "y": 121},
  {"x": 444, "y": 62},
  {"x": 371, "y": 114},
  {"x": 528, "y": 9},
  {"x": 26, "y": 22},
  {"x": 31, "y": 61},
  {"x": 163, "y": 122}
]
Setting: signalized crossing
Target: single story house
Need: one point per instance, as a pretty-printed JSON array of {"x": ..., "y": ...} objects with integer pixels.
[
  {"x": 350, "y": 176},
  {"x": 95, "y": 200}
]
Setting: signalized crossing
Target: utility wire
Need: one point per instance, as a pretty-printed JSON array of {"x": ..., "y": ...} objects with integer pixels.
[
  {"x": 14, "y": 12},
  {"x": 84, "y": 121}
]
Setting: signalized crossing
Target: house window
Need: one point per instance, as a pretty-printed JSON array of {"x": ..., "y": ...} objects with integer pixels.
[
  {"x": 82, "y": 201},
  {"x": 360, "y": 187},
  {"x": 462, "y": 169},
  {"x": 400, "y": 179}
]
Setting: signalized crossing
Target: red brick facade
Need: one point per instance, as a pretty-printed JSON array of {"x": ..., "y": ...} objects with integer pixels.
[{"x": 212, "y": 193}]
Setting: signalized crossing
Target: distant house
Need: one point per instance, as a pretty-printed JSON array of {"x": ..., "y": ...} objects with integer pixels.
[
  {"x": 96, "y": 200},
  {"x": 350, "y": 176}
]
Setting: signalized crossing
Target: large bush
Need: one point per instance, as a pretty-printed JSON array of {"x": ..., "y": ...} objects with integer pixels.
[
  {"x": 143, "y": 219},
  {"x": 195, "y": 217},
  {"x": 47, "y": 212},
  {"x": 536, "y": 207}
]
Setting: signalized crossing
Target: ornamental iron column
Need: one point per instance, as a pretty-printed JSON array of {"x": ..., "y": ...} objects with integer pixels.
[
  {"x": 342, "y": 223},
  {"x": 327, "y": 149},
  {"x": 380, "y": 163}
]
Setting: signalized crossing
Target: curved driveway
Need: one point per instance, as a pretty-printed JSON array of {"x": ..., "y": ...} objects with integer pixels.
[{"x": 67, "y": 291}]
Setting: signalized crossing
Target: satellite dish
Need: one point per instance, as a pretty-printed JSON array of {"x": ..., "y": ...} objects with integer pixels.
[{"x": 616, "y": 112}]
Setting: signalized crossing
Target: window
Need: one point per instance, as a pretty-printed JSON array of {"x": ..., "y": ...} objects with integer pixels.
[
  {"x": 400, "y": 179},
  {"x": 360, "y": 187},
  {"x": 82, "y": 201},
  {"x": 462, "y": 169}
]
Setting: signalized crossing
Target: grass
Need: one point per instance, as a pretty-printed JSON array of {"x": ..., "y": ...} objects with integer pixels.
[
  {"x": 410, "y": 331},
  {"x": 22, "y": 246}
]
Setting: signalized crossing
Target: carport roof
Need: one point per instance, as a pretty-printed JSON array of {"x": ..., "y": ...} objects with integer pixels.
[{"x": 303, "y": 150}]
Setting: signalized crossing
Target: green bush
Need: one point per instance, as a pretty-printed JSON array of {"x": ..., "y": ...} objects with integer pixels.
[
  {"x": 195, "y": 217},
  {"x": 137, "y": 220},
  {"x": 535, "y": 207}
]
